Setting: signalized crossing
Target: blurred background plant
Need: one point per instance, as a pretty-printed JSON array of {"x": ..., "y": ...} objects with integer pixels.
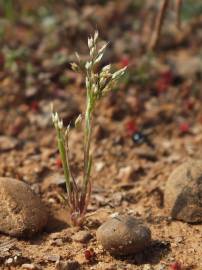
[{"x": 8, "y": 8}]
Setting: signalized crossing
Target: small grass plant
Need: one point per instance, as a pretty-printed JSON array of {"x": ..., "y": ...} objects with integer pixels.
[
  {"x": 8, "y": 8},
  {"x": 99, "y": 82}
]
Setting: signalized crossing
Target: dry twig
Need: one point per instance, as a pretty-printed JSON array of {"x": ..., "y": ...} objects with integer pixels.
[
  {"x": 178, "y": 9},
  {"x": 158, "y": 25},
  {"x": 160, "y": 20}
]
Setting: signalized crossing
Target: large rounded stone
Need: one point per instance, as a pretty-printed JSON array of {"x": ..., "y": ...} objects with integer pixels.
[
  {"x": 22, "y": 213},
  {"x": 124, "y": 235},
  {"x": 183, "y": 192}
]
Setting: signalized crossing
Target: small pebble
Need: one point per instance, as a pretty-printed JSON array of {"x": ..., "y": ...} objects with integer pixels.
[
  {"x": 145, "y": 152},
  {"x": 68, "y": 265},
  {"x": 30, "y": 266},
  {"x": 7, "y": 143},
  {"x": 53, "y": 258},
  {"x": 126, "y": 174},
  {"x": 57, "y": 242},
  {"x": 124, "y": 235},
  {"x": 179, "y": 239},
  {"x": 161, "y": 267},
  {"x": 99, "y": 166},
  {"x": 148, "y": 267},
  {"x": 82, "y": 236},
  {"x": 9, "y": 261}
]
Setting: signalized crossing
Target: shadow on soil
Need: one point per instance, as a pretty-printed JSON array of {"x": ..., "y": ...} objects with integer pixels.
[
  {"x": 56, "y": 225},
  {"x": 152, "y": 255}
]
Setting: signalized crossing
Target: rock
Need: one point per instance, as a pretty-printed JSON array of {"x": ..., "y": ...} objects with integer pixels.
[
  {"x": 145, "y": 152},
  {"x": 183, "y": 199},
  {"x": 82, "y": 236},
  {"x": 16, "y": 260},
  {"x": 148, "y": 267},
  {"x": 40, "y": 120},
  {"x": 187, "y": 65},
  {"x": 99, "y": 166},
  {"x": 57, "y": 242},
  {"x": 7, "y": 245},
  {"x": 54, "y": 179},
  {"x": 130, "y": 174},
  {"x": 9, "y": 261},
  {"x": 124, "y": 235},
  {"x": 125, "y": 174},
  {"x": 68, "y": 265},
  {"x": 17, "y": 126},
  {"x": 161, "y": 267},
  {"x": 52, "y": 258},
  {"x": 30, "y": 266},
  {"x": 31, "y": 92},
  {"x": 8, "y": 143},
  {"x": 22, "y": 214}
]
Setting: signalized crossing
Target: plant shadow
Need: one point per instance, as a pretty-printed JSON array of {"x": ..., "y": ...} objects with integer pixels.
[
  {"x": 56, "y": 224},
  {"x": 151, "y": 255}
]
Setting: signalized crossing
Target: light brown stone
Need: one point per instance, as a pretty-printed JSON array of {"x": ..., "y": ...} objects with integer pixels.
[
  {"x": 183, "y": 192},
  {"x": 124, "y": 235},
  {"x": 22, "y": 213}
]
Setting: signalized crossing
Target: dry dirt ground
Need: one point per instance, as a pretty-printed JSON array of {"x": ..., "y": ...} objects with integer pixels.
[{"x": 160, "y": 96}]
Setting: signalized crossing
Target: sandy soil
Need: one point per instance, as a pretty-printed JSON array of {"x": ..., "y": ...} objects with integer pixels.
[{"x": 161, "y": 97}]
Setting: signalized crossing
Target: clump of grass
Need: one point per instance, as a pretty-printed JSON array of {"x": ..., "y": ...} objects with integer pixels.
[
  {"x": 98, "y": 84},
  {"x": 8, "y": 8}
]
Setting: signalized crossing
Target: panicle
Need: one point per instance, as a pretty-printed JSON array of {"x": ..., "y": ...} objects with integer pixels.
[
  {"x": 96, "y": 36},
  {"x": 116, "y": 75},
  {"x": 90, "y": 43},
  {"x": 78, "y": 121}
]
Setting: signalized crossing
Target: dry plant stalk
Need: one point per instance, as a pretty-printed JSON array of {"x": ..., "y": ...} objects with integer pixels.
[
  {"x": 160, "y": 20},
  {"x": 178, "y": 9},
  {"x": 98, "y": 84},
  {"x": 158, "y": 24}
]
